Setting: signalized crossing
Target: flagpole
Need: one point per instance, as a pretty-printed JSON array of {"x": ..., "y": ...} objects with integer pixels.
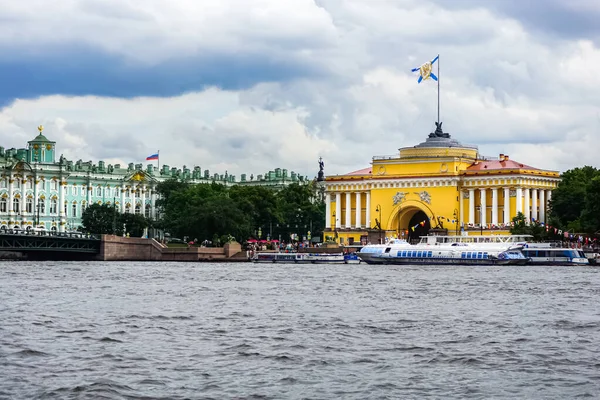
[
  {"x": 158, "y": 160},
  {"x": 438, "y": 84}
]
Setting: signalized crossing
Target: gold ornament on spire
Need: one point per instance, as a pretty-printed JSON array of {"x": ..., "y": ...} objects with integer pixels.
[{"x": 40, "y": 128}]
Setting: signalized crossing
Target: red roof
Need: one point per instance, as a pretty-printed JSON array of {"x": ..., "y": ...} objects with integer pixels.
[
  {"x": 364, "y": 171},
  {"x": 498, "y": 165}
]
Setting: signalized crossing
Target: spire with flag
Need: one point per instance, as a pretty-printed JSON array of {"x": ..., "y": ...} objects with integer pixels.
[{"x": 426, "y": 72}]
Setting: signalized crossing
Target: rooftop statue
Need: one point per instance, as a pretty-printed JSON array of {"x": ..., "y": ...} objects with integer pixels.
[
  {"x": 439, "y": 131},
  {"x": 321, "y": 175}
]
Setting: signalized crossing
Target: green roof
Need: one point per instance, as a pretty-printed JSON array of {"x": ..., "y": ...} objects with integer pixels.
[{"x": 41, "y": 138}]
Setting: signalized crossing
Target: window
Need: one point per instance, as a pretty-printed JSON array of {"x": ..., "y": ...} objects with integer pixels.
[
  {"x": 137, "y": 209},
  {"x": 17, "y": 183},
  {"x": 83, "y": 191},
  {"x": 83, "y": 207},
  {"x": 16, "y": 205},
  {"x": 2, "y": 183},
  {"x": 3, "y": 205},
  {"x": 127, "y": 193},
  {"x": 42, "y": 205},
  {"x": 74, "y": 190},
  {"x": 74, "y": 210},
  {"x": 65, "y": 208},
  {"x": 53, "y": 206},
  {"x": 147, "y": 213},
  {"x": 29, "y": 184},
  {"x": 137, "y": 194},
  {"x": 29, "y": 205},
  {"x": 99, "y": 191},
  {"x": 53, "y": 184}
]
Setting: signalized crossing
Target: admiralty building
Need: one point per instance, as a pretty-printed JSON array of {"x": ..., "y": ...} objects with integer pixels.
[{"x": 38, "y": 190}]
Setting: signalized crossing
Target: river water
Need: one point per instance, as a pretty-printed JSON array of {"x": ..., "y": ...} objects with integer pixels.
[{"x": 199, "y": 331}]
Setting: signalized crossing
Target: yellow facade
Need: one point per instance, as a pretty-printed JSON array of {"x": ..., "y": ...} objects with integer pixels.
[{"x": 439, "y": 184}]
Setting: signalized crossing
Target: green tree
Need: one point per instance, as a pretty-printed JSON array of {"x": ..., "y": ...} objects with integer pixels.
[
  {"x": 98, "y": 218},
  {"x": 134, "y": 224}
]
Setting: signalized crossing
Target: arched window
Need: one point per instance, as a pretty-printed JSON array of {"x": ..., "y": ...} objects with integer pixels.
[
  {"x": 54, "y": 184},
  {"x": 29, "y": 205},
  {"x": 99, "y": 191},
  {"x": 137, "y": 209},
  {"x": 53, "y": 206},
  {"x": 3, "y": 205},
  {"x": 17, "y": 183},
  {"x": 16, "y": 205},
  {"x": 74, "y": 209},
  {"x": 147, "y": 211},
  {"x": 42, "y": 205}
]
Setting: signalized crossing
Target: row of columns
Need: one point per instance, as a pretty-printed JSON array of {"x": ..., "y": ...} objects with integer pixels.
[
  {"x": 534, "y": 207},
  {"x": 348, "y": 223}
]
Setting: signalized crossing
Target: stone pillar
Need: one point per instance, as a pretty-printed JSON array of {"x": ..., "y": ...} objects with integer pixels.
[
  {"x": 472, "y": 206},
  {"x": 338, "y": 210},
  {"x": 495, "y": 206},
  {"x": 542, "y": 206},
  {"x": 506, "y": 218},
  {"x": 35, "y": 201},
  {"x": 88, "y": 193},
  {"x": 483, "y": 207},
  {"x": 534, "y": 205},
  {"x": 368, "y": 210},
  {"x": 61, "y": 205},
  {"x": 348, "y": 223},
  {"x": 519, "y": 200},
  {"x": 327, "y": 210},
  {"x": 358, "y": 210},
  {"x": 526, "y": 207}
]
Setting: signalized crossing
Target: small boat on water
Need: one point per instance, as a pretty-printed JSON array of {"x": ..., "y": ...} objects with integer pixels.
[
  {"x": 455, "y": 250},
  {"x": 298, "y": 258},
  {"x": 551, "y": 254},
  {"x": 351, "y": 258}
]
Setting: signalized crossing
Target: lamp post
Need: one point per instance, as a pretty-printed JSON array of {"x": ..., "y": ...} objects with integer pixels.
[
  {"x": 455, "y": 216},
  {"x": 38, "y": 206},
  {"x": 334, "y": 227},
  {"x": 378, "y": 209},
  {"x": 480, "y": 209}
]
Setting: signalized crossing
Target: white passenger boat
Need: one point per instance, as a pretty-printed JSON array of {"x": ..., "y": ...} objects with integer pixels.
[
  {"x": 458, "y": 250},
  {"x": 298, "y": 258},
  {"x": 551, "y": 254}
]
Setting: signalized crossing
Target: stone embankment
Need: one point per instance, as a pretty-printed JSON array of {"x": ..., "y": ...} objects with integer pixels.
[{"x": 118, "y": 248}]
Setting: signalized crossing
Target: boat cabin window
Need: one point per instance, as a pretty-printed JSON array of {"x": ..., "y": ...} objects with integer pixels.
[{"x": 388, "y": 249}]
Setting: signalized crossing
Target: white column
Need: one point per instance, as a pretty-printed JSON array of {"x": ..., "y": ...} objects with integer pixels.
[
  {"x": 358, "y": 210},
  {"x": 153, "y": 206},
  {"x": 495, "y": 206},
  {"x": 35, "y": 200},
  {"x": 61, "y": 205},
  {"x": 10, "y": 195},
  {"x": 461, "y": 217},
  {"x": 368, "y": 213},
  {"x": 483, "y": 209},
  {"x": 123, "y": 197},
  {"x": 519, "y": 200},
  {"x": 506, "y": 218},
  {"x": 348, "y": 223},
  {"x": 534, "y": 207},
  {"x": 543, "y": 206},
  {"x": 338, "y": 210},
  {"x": 327, "y": 210},
  {"x": 526, "y": 209},
  {"x": 143, "y": 198},
  {"x": 472, "y": 206},
  {"x": 88, "y": 193}
]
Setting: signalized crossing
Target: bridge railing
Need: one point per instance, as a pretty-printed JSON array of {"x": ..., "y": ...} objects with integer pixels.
[{"x": 43, "y": 232}]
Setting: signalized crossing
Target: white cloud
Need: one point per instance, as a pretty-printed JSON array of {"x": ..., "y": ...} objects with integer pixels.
[{"x": 503, "y": 88}]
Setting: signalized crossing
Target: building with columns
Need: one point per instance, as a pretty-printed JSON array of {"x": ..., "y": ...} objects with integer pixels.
[
  {"x": 37, "y": 190},
  {"x": 440, "y": 185}
]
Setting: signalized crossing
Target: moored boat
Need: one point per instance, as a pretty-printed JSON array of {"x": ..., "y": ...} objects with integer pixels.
[
  {"x": 550, "y": 254},
  {"x": 296, "y": 258}
]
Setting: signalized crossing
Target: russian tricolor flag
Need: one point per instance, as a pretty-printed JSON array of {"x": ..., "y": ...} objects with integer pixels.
[{"x": 152, "y": 157}]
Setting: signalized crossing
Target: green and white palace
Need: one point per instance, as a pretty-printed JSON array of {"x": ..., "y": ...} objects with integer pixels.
[{"x": 37, "y": 190}]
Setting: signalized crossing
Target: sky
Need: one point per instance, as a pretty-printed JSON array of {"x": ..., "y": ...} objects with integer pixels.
[{"x": 247, "y": 86}]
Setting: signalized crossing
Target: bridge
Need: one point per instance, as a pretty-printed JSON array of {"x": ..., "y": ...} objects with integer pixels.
[{"x": 62, "y": 244}]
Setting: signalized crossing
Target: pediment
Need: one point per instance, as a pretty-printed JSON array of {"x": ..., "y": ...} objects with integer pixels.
[{"x": 139, "y": 177}]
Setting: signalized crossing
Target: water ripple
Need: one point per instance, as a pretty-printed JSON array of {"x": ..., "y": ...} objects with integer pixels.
[{"x": 243, "y": 331}]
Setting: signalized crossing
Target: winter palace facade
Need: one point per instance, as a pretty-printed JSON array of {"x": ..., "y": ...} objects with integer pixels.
[
  {"x": 37, "y": 190},
  {"x": 438, "y": 184}
]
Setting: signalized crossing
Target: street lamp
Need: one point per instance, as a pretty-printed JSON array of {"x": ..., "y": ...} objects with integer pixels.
[
  {"x": 334, "y": 227},
  {"x": 455, "y": 216},
  {"x": 38, "y": 206},
  {"x": 480, "y": 209},
  {"x": 378, "y": 209}
]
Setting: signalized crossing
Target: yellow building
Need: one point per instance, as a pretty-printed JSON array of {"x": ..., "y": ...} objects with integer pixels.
[{"x": 438, "y": 186}]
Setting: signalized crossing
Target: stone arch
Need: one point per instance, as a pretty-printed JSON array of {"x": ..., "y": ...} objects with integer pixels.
[{"x": 402, "y": 214}]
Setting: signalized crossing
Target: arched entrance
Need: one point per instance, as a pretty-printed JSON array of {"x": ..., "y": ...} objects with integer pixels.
[{"x": 418, "y": 226}]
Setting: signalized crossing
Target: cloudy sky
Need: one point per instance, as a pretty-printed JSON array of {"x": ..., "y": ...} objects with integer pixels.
[{"x": 251, "y": 85}]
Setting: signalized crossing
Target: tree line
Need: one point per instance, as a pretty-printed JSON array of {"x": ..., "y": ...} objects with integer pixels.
[
  {"x": 215, "y": 212},
  {"x": 574, "y": 207}
]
